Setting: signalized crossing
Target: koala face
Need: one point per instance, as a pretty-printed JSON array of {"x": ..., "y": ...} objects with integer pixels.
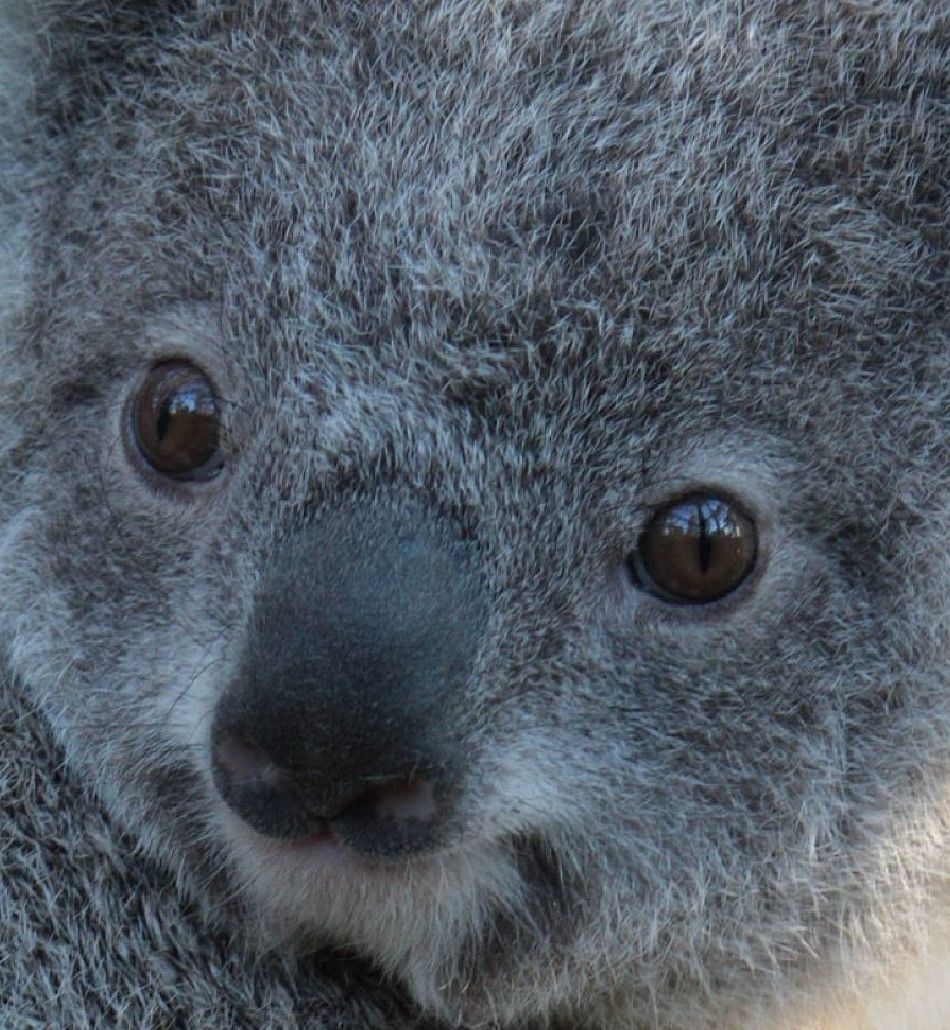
[{"x": 476, "y": 484}]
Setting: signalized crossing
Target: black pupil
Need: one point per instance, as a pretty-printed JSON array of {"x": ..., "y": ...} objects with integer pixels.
[
  {"x": 705, "y": 541},
  {"x": 164, "y": 416}
]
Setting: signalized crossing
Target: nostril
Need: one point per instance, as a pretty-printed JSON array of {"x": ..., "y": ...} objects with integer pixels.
[
  {"x": 246, "y": 765},
  {"x": 395, "y": 817},
  {"x": 400, "y": 799},
  {"x": 256, "y": 788}
]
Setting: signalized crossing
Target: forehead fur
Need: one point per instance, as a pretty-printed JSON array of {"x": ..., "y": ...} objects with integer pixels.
[
  {"x": 486, "y": 201},
  {"x": 479, "y": 174}
]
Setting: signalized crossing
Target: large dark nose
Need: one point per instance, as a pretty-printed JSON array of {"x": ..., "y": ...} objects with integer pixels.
[{"x": 345, "y": 716}]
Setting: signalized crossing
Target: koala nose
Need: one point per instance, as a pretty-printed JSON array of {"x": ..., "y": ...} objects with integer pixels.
[{"x": 345, "y": 716}]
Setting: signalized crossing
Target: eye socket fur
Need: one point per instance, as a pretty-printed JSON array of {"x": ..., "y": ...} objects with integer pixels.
[
  {"x": 176, "y": 422},
  {"x": 695, "y": 550}
]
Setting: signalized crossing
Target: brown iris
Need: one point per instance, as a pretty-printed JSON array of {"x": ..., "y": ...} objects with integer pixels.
[
  {"x": 176, "y": 422},
  {"x": 695, "y": 550}
]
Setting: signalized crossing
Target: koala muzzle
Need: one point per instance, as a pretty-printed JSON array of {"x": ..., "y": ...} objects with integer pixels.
[{"x": 345, "y": 717}]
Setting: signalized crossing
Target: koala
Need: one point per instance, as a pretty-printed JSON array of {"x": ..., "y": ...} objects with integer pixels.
[{"x": 475, "y": 513}]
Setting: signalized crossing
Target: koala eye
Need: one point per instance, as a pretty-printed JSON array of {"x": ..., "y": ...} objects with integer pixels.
[
  {"x": 695, "y": 550},
  {"x": 176, "y": 422}
]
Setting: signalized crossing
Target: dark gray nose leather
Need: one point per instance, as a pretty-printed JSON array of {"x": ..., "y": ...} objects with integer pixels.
[{"x": 345, "y": 709}]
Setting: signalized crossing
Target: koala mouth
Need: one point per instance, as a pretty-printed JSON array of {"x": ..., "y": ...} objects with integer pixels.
[{"x": 393, "y": 817}]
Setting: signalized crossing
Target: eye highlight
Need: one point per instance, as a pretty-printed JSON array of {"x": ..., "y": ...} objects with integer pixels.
[
  {"x": 176, "y": 422},
  {"x": 695, "y": 550}
]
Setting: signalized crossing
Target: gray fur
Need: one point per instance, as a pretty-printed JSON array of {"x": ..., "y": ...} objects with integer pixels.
[
  {"x": 93, "y": 935},
  {"x": 537, "y": 267}
]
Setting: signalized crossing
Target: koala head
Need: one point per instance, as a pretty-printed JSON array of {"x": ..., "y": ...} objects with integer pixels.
[{"x": 475, "y": 479}]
